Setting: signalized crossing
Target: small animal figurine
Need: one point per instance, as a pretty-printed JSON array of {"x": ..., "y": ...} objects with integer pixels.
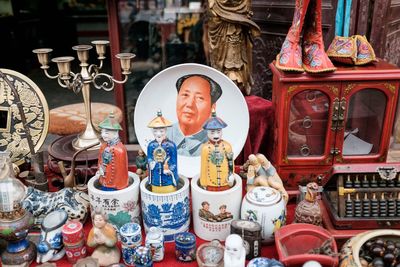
[
  {"x": 162, "y": 157},
  {"x": 260, "y": 172},
  {"x": 141, "y": 164},
  {"x": 74, "y": 202},
  {"x": 103, "y": 238},
  {"x": 235, "y": 252},
  {"x": 308, "y": 210},
  {"x": 217, "y": 166}
]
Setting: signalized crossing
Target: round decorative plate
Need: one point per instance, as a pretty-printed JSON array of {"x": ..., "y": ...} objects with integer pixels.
[
  {"x": 12, "y": 133},
  {"x": 160, "y": 93}
]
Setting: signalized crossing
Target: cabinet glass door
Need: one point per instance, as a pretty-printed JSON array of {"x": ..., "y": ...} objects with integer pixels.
[
  {"x": 364, "y": 122},
  {"x": 308, "y": 124}
]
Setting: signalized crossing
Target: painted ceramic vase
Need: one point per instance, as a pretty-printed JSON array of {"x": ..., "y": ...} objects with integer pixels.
[
  {"x": 72, "y": 233},
  {"x": 185, "y": 247},
  {"x": 264, "y": 262},
  {"x": 19, "y": 250},
  {"x": 210, "y": 254},
  {"x": 170, "y": 211},
  {"x": 51, "y": 247},
  {"x": 142, "y": 257},
  {"x": 120, "y": 206},
  {"x": 213, "y": 211},
  {"x": 155, "y": 241},
  {"x": 76, "y": 251},
  {"x": 266, "y": 206}
]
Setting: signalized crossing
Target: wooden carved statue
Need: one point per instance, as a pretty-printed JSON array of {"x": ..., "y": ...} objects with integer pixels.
[{"x": 230, "y": 38}]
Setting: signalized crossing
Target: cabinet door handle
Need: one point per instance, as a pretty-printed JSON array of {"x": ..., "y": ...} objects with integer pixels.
[
  {"x": 305, "y": 150},
  {"x": 341, "y": 113},
  {"x": 335, "y": 114},
  {"x": 307, "y": 122}
]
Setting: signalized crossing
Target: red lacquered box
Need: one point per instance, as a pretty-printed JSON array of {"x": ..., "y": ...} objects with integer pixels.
[{"x": 295, "y": 241}]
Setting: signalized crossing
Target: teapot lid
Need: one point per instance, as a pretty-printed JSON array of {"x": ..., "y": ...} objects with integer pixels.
[{"x": 264, "y": 196}]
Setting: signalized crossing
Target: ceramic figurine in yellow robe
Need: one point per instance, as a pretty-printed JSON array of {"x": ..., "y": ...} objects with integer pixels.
[{"x": 216, "y": 158}]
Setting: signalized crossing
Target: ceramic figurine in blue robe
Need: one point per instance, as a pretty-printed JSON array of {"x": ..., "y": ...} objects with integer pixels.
[{"x": 162, "y": 158}]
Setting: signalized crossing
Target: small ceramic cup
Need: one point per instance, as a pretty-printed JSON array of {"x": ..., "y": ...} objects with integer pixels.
[
  {"x": 185, "y": 246},
  {"x": 155, "y": 241}
]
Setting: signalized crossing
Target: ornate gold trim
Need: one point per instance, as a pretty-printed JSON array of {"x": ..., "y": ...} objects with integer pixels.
[
  {"x": 348, "y": 88},
  {"x": 292, "y": 88},
  {"x": 334, "y": 90},
  {"x": 285, "y": 160},
  {"x": 37, "y": 112},
  {"x": 390, "y": 87}
]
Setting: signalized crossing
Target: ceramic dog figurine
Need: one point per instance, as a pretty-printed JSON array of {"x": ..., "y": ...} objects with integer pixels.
[{"x": 74, "y": 202}]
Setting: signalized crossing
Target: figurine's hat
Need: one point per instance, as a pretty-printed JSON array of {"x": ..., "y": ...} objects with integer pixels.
[
  {"x": 214, "y": 123},
  {"x": 110, "y": 123},
  {"x": 159, "y": 121}
]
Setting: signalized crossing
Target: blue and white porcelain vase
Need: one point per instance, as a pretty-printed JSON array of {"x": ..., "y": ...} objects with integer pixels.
[
  {"x": 131, "y": 237},
  {"x": 155, "y": 241},
  {"x": 51, "y": 247},
  {"x": 170, "y": 211}
]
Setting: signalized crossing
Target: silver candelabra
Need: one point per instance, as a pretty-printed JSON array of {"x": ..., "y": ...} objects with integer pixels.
[{"x": 81, "y": 81}]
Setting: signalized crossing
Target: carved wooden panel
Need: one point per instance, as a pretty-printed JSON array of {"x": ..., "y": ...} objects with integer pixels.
[{"x": 274, "y": 18}]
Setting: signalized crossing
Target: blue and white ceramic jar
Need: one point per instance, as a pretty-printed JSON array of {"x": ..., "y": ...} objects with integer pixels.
[
  {"x": 142, "y": 257},
  {"x": 155, "y": 241},
  {"x": 131, "y": 237},
  {"x": 185, "y": 246},
  {"x": 170, "y": 212},
  {"x": 51, "y": 247},
  {"x": 264, "y": 262}
]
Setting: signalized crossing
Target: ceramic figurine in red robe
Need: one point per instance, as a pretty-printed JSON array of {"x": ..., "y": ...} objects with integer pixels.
[{"x": 113, "y": 157}]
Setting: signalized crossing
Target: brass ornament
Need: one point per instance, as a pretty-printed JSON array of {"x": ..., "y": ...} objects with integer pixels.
[{"x": 12, "y": 136}]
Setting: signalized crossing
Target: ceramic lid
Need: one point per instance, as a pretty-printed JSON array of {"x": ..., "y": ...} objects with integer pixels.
[
  {"x": 72, "y": 227},
  {"x": 251, "y": 226},
  {"x": 264, "y": 196},
  {"x": 129, "y": 229},
  {"x": 154, "y": 233},
  {"x": 160, "y": 93},
  {"x": 185, "y": 238},
  {"x": 54, "y": 220}
]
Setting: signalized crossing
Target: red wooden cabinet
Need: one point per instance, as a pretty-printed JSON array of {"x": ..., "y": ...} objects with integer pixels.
[{"x": 338, "y": 118}]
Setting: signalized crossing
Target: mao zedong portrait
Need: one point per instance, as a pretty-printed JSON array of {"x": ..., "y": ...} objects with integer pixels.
[{"x": 197, "y": 96}]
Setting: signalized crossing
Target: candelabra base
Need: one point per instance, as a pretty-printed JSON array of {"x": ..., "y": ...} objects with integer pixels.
[
  {"x": 85, "y": 140},
  {"x": 62, "y": 150}
]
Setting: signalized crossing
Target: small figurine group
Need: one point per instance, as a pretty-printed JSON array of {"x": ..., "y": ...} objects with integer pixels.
[
  {"x": 260, "y": 172},
  {"x": 217, "y": 166}
]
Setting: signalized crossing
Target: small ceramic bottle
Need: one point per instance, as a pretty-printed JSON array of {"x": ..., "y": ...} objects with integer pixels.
[{"x": 155, "y": 241}]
